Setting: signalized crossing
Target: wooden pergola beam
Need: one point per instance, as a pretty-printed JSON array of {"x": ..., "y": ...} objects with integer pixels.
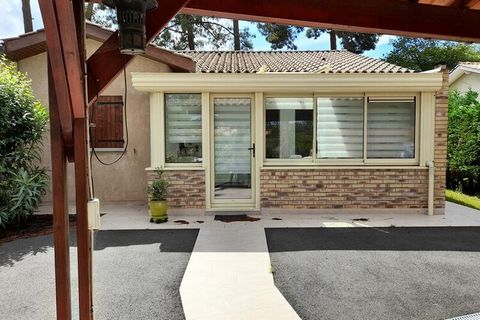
[
  {"x": 404, "y": 18},
  {"x": 107, "y": 62},
  {"x": 59, "y": 76}
]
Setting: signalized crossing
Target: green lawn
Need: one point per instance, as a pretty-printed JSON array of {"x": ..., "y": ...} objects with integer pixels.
[{"x": 463, "y": 199}]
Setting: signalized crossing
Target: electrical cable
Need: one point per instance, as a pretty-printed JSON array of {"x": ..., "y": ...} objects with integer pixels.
[{"x": 126, "y": 128}]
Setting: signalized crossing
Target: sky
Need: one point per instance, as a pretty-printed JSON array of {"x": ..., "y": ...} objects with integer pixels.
[{"x": 11, "y": 25}]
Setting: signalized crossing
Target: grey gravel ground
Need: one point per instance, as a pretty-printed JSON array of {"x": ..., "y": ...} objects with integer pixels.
[
  {"x": 384, "y": 273},
  {"x": 137, "y": 275}
]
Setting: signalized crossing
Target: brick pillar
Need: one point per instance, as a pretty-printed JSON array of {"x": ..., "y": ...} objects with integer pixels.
[{"x": 441, "y": 131}]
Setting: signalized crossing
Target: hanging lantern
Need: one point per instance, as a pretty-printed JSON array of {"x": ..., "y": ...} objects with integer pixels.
[{"x": 131, "y": 23}]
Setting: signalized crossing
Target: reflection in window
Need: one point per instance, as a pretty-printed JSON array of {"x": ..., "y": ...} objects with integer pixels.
[
  {"x": 288, "y": 128},
  {"x": 183, "y": 128},
  {"x": 391, "y": 129},
  {"x": 340, "y": 128}
]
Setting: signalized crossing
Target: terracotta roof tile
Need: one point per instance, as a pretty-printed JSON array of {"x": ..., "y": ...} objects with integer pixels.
[{"x": 334, "y": 61}]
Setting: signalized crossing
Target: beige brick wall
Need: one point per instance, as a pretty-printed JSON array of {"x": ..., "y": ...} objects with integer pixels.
[
  {"x": 186, "y": 190},
  {"x": 441, "y": 131},
  {"x": 344, "y": 188}
]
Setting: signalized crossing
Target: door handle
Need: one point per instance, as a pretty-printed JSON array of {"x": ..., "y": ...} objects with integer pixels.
[{"x": 252, "y": 149}]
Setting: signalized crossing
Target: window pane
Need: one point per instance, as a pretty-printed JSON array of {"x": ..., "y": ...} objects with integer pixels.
[
  {"x": 183, "y": 129},
  {"x": 340, "y": 128},
  {"x": 288, "y": 128},
  {"x": 391, "y": 130}
]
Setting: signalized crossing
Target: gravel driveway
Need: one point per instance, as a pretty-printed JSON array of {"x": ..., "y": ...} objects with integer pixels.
[
  {"x": 377, "y": 273},
  {"x": 137, "y": 275}
]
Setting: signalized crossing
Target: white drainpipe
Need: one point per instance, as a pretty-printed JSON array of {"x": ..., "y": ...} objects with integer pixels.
[{"x": 431, "y": 186}]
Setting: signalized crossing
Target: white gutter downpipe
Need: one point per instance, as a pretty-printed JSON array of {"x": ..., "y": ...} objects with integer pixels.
[{"x": 431, "y": 185}]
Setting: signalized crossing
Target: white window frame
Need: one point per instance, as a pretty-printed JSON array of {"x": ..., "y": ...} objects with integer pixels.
[
  {"x": 392, "y": 161},
  {"x": 333, "y": 161},
  {"x": 285, "y": 162},
  {"x": 360, "y": 162},
  {"x": 158, "y": 132}
]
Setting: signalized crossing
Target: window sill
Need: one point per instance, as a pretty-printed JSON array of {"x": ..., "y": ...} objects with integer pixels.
[
  {"x": 108, "y": 149},
  {"x": 177, "y": 168},
  {"x": 325, "y": 167}
]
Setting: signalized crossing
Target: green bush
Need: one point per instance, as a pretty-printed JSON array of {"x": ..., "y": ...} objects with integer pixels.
[
  {"x": 22, "y": 125},
  {"x": 464, "y": 142}
]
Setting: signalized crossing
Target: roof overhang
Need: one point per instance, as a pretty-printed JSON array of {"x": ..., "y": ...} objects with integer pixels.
[
  {"x": 287, "y": 82},
  {"x": 461, "y": 70},
  {"x": 33, "y": 43}
]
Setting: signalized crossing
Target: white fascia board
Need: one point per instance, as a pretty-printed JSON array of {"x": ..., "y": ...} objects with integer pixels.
[
  {"x": 291, "y": 82},
  {"x": 459, "y": 71}
]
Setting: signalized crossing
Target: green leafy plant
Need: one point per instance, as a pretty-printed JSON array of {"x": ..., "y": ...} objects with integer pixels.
[
  {"x": 22, "y": 125},
  {"x": 463, "y": 170},
  {"x": 158, "y": 188}
]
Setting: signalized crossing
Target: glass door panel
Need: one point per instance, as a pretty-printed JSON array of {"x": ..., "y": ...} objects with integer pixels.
[{"x": 232, "y": 148}]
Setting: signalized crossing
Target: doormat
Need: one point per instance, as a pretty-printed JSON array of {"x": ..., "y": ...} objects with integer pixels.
[{"x": 235, "y": 218}]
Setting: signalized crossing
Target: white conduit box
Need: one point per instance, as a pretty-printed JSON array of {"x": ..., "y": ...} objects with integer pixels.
[{"x": 94, "y": 214}]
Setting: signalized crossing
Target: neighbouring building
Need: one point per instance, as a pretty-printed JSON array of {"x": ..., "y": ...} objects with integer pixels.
[
  {"x": 465, "y": 76},
  {"x": 314, "y": 131}
]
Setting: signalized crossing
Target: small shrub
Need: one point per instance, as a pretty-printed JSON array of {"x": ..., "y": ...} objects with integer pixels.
[
  {"x": 158, "y": 188},
  {"x": 22, "y": 125}
]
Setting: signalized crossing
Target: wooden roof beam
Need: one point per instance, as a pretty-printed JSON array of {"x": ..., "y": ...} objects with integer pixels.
[{"x": 403, "y": 18}]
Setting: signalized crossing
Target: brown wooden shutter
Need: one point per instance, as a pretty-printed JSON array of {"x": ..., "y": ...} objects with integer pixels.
[{"x": 106, "y": 121}]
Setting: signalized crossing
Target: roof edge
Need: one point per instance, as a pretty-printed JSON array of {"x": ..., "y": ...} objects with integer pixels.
[{"x": 33, "y": 43}]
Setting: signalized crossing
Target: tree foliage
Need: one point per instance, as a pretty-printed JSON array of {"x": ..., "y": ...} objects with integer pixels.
[
  {"x": 425, "y": 54},
  {"x": 280, "y": 36},
  {"x": 187, "y": 32},
  {"x": 464, "y": 142},
  {"x": 351, "y": 41},
  {"x": 22, "y": 124}
]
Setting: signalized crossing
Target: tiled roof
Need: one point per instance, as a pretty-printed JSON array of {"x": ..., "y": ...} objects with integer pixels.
[
  {"x": 334, "y": 61},
  {"x": 475, "y": 65}
]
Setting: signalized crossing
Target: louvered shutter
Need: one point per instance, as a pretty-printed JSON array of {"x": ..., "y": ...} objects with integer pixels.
[
  {"x": 340, "y": 128},
  {"x": 232, "y": 135},
  {"x": 391, "y": 129},
  {"x": 183, "y": 127},
  {"x": 106, "y": 122}
]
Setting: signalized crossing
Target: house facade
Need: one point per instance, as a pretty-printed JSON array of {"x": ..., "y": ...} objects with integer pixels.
[{"x": 315, "y": 131}]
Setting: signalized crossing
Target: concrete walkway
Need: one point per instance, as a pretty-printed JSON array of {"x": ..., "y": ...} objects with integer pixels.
[{"x": 229, "y": 276}]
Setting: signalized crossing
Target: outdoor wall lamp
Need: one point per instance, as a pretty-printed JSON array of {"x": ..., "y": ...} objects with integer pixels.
[{"x": 131, "y": 23}]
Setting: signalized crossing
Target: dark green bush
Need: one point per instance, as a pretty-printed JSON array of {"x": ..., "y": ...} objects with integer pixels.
[
  {"x": 463, "y": 172},
  {"x": 22, "y": 125}
]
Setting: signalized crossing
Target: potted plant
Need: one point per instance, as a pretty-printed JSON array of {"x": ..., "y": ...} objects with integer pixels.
[{"x": 157, "y": 196}]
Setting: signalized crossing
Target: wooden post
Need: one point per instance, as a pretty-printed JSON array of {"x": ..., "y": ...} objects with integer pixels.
[
  {"x": 84, "y": 236},
  {"x": 60, "y": 207}
]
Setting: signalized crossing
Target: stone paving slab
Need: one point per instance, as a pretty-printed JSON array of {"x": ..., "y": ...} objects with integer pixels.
[{"x": 229, "y": 277}]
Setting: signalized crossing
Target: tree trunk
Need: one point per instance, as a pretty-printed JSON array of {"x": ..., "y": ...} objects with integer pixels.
[
  {"x": 236, "y": 35},
  {"x": 333, "y": 40},
  {"x": 89, "y": 11},
  {"x": 190, "y": 37},
  {"x": 27, "y": 16}
]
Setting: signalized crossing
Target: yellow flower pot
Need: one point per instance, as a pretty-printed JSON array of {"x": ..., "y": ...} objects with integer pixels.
[{"x": 158, "y": 211}]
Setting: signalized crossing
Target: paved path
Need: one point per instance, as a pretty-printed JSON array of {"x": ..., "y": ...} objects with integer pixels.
[{"x": 228, "y": 276}]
